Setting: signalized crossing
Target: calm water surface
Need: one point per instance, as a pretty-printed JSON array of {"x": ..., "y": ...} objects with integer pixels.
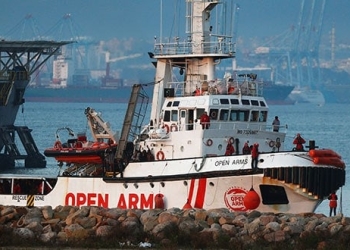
[{"x": 327, "y": 125}]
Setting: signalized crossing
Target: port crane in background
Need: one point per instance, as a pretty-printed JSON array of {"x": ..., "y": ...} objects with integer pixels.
[
  {"x": 26, "y": 29},
  {"x": 73, "y": 66},
  {"x": 294, "y": 54}
]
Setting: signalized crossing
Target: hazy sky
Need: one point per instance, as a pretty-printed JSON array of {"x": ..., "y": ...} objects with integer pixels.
[{"x": 107, "y": 19}]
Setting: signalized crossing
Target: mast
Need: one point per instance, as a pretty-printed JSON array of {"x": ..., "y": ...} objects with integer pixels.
[{"x": 195, "y": 56}]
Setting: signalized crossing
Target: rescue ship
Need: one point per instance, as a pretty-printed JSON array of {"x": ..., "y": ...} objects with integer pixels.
[{"x": 192, "y": 162}]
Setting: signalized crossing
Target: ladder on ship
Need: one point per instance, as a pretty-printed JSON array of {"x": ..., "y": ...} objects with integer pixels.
[{"x": 134, "y": 117}]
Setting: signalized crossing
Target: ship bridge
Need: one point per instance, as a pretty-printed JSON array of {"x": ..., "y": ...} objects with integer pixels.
[{"x": 18, "y": 61}]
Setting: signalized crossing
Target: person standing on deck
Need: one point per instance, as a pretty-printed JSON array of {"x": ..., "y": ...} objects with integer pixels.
[
  {"x": 246, "y": 149},
  {"x": 229, "y": 148},
  {"x": 299, "y": 141},
  {"x": 205, "y": 120},
  {"x": 276, "y": 124},
  {"x": 255, "y": 155}
]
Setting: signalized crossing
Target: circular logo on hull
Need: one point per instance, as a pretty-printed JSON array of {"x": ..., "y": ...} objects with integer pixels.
[{"x": 234, "y": 197}]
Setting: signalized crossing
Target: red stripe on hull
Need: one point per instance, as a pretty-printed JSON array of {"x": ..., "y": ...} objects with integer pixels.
[{"x": 202, "y": 185}]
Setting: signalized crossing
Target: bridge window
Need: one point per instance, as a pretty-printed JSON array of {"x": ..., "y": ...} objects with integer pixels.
[
  {"x": 166, "y": 117},
  {"x": 255, "y": 102},
  {"x": 223, "y": 115},
  {"x": 245, "y": 102},
  {"x": 262, "y": 104},
  {"x": 234, "y": 101},
  {"x": 169, "y": 104},
  {"x": 255, "y": 116},
  {"x": 176, "y": 103},
  {"x": 239, "y": 115},
  {"x": 224, "y": 101},
  {"x": 174, "y": 115},
  {"x": 263, "y": 116}
]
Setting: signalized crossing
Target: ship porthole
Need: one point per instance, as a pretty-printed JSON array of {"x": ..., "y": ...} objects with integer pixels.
[
  {"x": 182, "y": 148},
  {"x": 220, "y": 146}
]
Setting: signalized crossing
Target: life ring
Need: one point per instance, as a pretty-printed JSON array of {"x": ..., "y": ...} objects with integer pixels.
[
  {"x": 166, "y": 127},
  {"x": 209, "y": 142},
  {"x": 160, "y": 155},
  {"x": 213, "y": 115},
  {"x": 58, "y": 144},
  {"x": 271, "y": 144},
  {"x": 173, "y": 127},
  {"x": 231, "y": 140}
]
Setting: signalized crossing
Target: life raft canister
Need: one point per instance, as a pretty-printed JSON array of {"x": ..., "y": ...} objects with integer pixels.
[
  {"x": 160, "y": 155},
  {"x": 271, "y": 144}
]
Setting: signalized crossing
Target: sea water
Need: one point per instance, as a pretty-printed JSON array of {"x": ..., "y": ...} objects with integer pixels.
[{"x": 328, "y": 125}]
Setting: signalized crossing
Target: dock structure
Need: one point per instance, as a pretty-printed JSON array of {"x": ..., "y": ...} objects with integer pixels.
[{"x": 18, "y": 61}]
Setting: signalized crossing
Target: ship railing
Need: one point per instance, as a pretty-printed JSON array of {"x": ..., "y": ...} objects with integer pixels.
[
  {"x": 248, "y": 127},
  {"x": 256, "y": 126},
  {"x": 244, "y": 126},
  {"x": 220, "y": 47},
  {"x": 216, "y": 87}
]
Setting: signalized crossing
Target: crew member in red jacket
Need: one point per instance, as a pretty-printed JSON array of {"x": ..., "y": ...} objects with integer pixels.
[
  {"x": 333, "y": 203},
  {"x": 205, "y": 120},
  {"x": 255, "y": 155},
  {"x": 229, "y": 148},
  {"x": 299, "y": 141}
]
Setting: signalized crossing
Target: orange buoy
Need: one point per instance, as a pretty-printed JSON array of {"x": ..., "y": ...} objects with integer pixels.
[
  {"x": 159, "y": 201},
  {"x": 251, "y": 200},
  {"x": 187, "y": 205}
]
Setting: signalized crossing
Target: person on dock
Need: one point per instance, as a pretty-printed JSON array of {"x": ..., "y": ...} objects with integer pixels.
[
  {"x": 276, "y": 124},
  {"x": 333, "y": 203},
  {"x": 299, "y": 141}
]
